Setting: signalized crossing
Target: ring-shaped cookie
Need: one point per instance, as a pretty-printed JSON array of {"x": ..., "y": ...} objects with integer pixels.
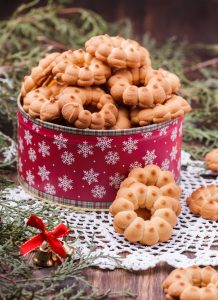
[
  {"x": 173, "y": 108},
  {"x": 192, "y": 283},
  {"x": 204, "y": 202},
  {"x": 146, "y": 206},
  {"x": 143, "y": 87},
  {"x": 73, "y": 100},
  {"x": 41, "y": 102},
  {"x": 118, "y": 52},
  {"x": 79, "y": 68}
]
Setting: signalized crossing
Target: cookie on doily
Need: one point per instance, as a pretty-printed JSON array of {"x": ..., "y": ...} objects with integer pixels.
[
  {"x": 211, "y": 160},
  {"x": 146, "y": 206},
  {"x": 204, "y": 202},
  {"x": 193, "y": 283}
]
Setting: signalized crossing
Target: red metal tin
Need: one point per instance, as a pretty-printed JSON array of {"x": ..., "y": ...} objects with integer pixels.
[{"x": 84, "y": 168}]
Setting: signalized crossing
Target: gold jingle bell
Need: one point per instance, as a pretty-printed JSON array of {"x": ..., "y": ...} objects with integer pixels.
[
  {"x": 69, "y": 251},
  {"x": 44, "y": 256}
]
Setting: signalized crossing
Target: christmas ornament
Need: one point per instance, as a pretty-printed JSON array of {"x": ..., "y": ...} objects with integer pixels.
[{"x": 50, "y": 237}]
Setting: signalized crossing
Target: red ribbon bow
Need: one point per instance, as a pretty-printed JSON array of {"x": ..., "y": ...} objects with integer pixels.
[{"x": 50, "y": 236}]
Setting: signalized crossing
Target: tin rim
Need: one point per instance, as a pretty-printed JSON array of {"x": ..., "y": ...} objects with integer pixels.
[
  {"x": 102, "y": 132},
  {"x": 35, "y": 193}
]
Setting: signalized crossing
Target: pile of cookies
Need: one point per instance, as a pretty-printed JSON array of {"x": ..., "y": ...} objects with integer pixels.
[{"x": 110, "y": 85}]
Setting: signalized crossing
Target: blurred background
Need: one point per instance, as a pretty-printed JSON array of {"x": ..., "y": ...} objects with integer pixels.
[
  {"x": 181, "y": 36},
  {"x": 194, "y": 20}
]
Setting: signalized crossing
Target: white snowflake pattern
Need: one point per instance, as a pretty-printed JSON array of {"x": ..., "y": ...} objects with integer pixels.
[
  {"x": 181, "y": 129},
  {"x": 98, "y": 191},
  {"x": 32, "y": 154},
  {"x": 179, "y": 164},
  {"x": 173, "y": 153},
  {"x": 60, "y": 141},
  {"x": 43, "y": 149},
  {"x": 116, "y": 180},
  {"x": 21, "y": 147},
  {"x": 28, "y": 137},
  {"x": 30, "y": 177},
  {"x": 65, "y": 183},
  {"x": 67, "y": 158},
  {"x": 163, "y": 131},
  {"x": 149, "y": 157},
  {"x": 50, "y": 189},
  {"x": 112, "y": 158},
  {"x": 84, "y": 149},
  {"x": 135, "y": 164},
  {"x": 130, "y": 145},
  {"x": 147, "y": 134},
  {"x": 90, "y": 176},
  {"x": 165, "y": 165},
  {"x": 20, "y": 165},
  {"x": 43, "y": 173},
  {"x": 25, "y": 119},
  {"x": 104, "y": 143},
  {"x": 174, "y": 134},
  {"x": 36, "y": 127}
]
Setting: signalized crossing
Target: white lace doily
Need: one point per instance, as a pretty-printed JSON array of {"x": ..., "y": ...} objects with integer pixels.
[{"x": 193, "y": 234}]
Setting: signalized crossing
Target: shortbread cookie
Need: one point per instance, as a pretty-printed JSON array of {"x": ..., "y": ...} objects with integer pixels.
[
  {"x": 211, "y": 160},
  {"x": 204, "y": 202},
  {"x": 39, "y": 74},
  {"x": 73, "y": 102},
  {"x": 143, "y": 87},
  {"x": 146, "y": 206},
  {"x": 118, "y": 52},
  {"x": 123, "y": 119},
  {"x": 173, "y": 108},
  {"x": 193, "y": 283},
  {"x": 79, "y": 68}
]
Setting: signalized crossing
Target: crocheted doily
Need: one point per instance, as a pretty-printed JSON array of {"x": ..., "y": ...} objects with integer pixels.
[{"x": 193, "y": 235}]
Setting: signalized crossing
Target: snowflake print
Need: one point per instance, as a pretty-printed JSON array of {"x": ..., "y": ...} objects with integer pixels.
[
  {"x": 67, "y": 158},
  {"x": 165, "y": 165},
  {"x": 43, "y": 173},
  {"x": 130, "y": 145},
  {"x": 112, "y": 158},
  {"x": 104, "y": 143},
  {"x": 135, "y": 164},
  {"x": 85, "y": 149},
  {"x": 173, "y": 134},
  {"x": 181, "y": 130},
  {"x": 32, "y": 154},
  {"x": 20, "y": 165},
  {"x": 43, "y": 149},
  {"x": 25, "y": 120},
  {"x": 147, "y": 134},
  {"x": 50, "y": 189},
  {"x": 30, "y": 177},
  {"x": 90, "y": 176},
  {"x": 28, "y": 137},
  {"x": 163, "y": 131},
  {"x": 116, "y": 180},
  {"x": 173, "y": 153},
  {"x": 21, "y": 147},
  {"x": 149, "y": 157},
  {"x": 65, "y": 183},
  {"x": 36, "y": 127},
  {"x": 98, "y": 191},
  {"x": 179, "y": 164},
  {"x": 60, "y": 141}
]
